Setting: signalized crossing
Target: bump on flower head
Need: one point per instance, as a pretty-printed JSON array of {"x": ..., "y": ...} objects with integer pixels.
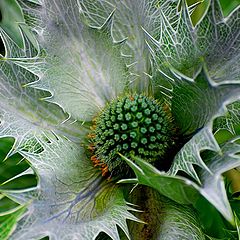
[{"x": 131, "y": 125}]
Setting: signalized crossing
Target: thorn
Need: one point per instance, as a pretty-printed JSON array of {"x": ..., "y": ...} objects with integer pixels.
[
  {"x": 151, "y": 38},
  {"x": 120, "y": 42},
  {"x": 107, "y": 25}
]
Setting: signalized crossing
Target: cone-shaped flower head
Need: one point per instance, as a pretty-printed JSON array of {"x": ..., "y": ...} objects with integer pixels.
[{"x": 133, "y": 125}]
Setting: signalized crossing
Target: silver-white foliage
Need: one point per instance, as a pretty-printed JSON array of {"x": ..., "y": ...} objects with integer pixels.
[
  {"x": 72, "y": 201},
  {"x": 84, "y": 69},
  {"x": 22, "y": 110}
]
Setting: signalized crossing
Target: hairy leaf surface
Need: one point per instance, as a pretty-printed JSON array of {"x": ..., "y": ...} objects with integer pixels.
[{"x": 71, "y": 198}]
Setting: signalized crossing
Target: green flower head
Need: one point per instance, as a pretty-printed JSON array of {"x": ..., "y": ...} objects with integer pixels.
[
  {"x": 119, "y": 109},
  {"x": 131, "y": 125}
]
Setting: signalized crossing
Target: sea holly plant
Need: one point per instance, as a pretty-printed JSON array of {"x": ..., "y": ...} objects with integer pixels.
[{"x": 119, "y": 108}]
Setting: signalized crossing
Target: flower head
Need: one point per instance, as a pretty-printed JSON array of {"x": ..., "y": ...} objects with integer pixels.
[
  {"x": 108, "y": 95},
  {"x": 133, "y": 125}
]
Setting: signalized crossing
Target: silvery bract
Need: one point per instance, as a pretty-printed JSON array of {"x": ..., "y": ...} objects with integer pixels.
[{"x": 69, "y": 61}]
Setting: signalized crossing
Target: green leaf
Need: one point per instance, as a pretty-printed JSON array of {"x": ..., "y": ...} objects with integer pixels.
[
  {"x": 215, "y": 227},
  {"x": 177, "y": 188},
  {"x": 183, "y": 190},
  {"x": 198, "y": 9},
  {"x": 174, "y": 49},
  {"x": 13, "y": 26},
  {"x": 8, "y": 223},
  {"x": 14, "y": 171},
  {"x": 12, "y": 16},
  {"x": 72, "y": 200},
  {"x": 7, "y": 206},
  {"x": 228, "y": 7}
]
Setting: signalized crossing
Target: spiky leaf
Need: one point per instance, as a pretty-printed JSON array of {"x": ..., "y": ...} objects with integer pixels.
[
  {"x": 184, "y": 190},
  {"x": 71, "y": 198}
]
